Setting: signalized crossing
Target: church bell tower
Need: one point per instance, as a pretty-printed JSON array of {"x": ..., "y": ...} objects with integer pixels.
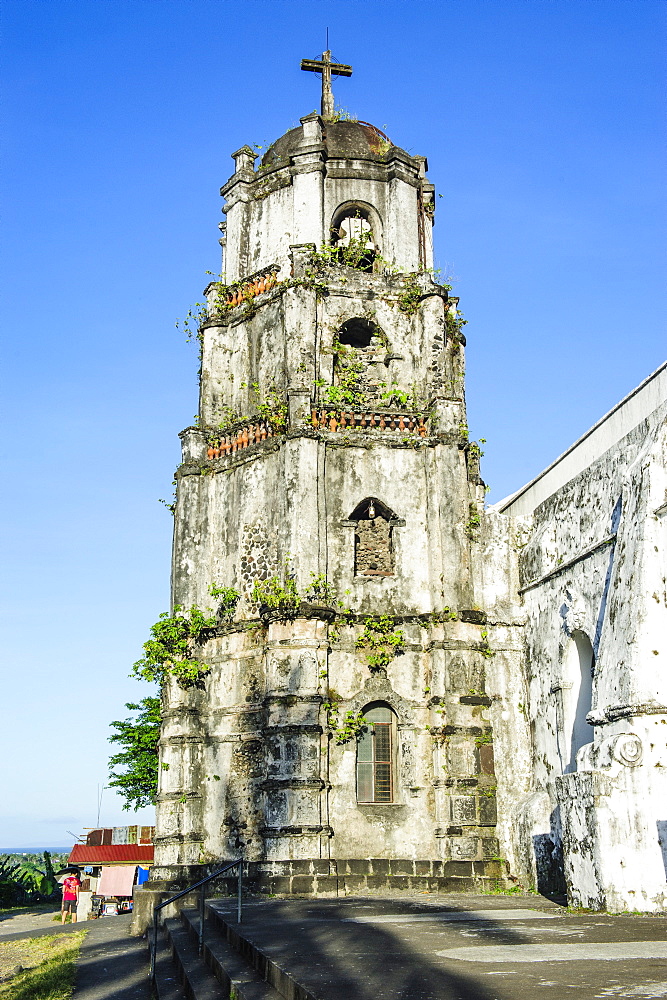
[{"x": 330, "y": 488}]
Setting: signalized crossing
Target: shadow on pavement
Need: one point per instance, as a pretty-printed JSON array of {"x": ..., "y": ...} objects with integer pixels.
[
  {"x": 341, "y": 960},
  {"x": 112, "y": 965}
]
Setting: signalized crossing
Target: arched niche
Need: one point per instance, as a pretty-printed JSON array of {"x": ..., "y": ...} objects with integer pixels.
[
  {"x": 360, "y": 353},
  {"x": 359, "y": 223},
  {"x": 376, "y": 754},
  {"x": 579, "y": 664},
  {"x": 360, "y": 333},
  {"x": 374, "y": 524}
]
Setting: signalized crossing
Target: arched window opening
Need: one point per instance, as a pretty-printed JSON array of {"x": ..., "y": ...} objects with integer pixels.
[
  {"x": 373, "y": 541},
  {"x": 376, "y": 754},
  {"x": 578, "y": 695},
  {"x": 360, "y": 349},
  {"x": 358, "y": 333},
  {"x": 353, "y": 237}
]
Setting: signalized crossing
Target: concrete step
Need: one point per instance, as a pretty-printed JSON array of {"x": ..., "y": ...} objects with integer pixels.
[
  {"x": 167, "y": 981},
  {"x": 219, "y": 973},
  {"x": 189, "y": 976},
  {"x": 274, "y": 975}
]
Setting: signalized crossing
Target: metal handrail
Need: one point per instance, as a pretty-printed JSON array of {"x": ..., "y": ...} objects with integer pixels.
[{"x": 191, "y": 888}]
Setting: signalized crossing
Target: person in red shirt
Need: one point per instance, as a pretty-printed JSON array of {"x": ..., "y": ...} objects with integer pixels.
[{"x": 71, "y": 885}]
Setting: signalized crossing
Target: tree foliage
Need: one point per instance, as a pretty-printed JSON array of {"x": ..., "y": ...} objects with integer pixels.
[
  {"x": 139, "y": 737},
  {"x": 24, "y": 882}
]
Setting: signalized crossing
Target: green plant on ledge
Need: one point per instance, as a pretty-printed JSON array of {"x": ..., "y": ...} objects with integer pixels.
[
  {"x": 352, "y": 726},
  {"x": 273, "y": 408},
  {"x": 320, "y": 591},
  {"x": 355, "y": 254},
  {"x": 280, "y": 593},
  {"x": 410, "y": 297},
  {"x": 228, "y": 597},
  {"x": 392, "y": 395},
  {"x": 380, "y": 642},
  {"x": 446, "y": 615},
  {"x": 474, "y": 521},
  {"x": 454, "y": 323},
  {"x": 341, "y": 115},
  {"x": 485, "y": 648},
  {"x": 169, "y": 652},
  {"x": 349, "y": 369}
]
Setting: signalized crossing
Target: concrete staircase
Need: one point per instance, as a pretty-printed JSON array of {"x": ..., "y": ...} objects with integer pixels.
[
  {"x": 240, "y": 962},
  {"x": 222, "y": 971}
]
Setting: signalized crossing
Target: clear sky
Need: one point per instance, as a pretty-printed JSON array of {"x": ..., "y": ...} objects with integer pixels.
[{"x": 543, "y": 123}]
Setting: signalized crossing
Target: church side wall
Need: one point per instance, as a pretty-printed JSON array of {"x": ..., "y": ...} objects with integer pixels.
[{"x": 593, "y": 583}]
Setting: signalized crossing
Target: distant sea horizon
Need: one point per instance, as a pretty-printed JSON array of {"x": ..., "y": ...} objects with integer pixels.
[{"x": 36, "y": 850}]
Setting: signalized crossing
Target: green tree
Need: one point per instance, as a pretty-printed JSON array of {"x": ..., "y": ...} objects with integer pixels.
[
  {"x": 139, "y": 737},
  {"x": 24, "y": 881}
]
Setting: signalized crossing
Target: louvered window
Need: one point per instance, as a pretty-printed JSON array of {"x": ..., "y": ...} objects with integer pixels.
[{"x": 375, "y": 756}]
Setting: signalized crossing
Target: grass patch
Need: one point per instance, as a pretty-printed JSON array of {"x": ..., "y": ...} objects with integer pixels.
[
  {"x": 502, "y": 889},
  {"x": 49, "y": 967}
]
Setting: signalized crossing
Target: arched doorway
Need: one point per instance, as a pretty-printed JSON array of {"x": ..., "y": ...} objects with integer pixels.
[{"x": 577, "y": 697}]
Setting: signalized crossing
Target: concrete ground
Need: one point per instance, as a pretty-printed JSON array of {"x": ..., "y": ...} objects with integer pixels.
[
  {"x": 423, "y": 947},
  {"x": 112, "y": 965}
]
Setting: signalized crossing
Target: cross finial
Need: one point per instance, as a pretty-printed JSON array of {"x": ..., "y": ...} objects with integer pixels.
[{"x": 327, "y": 69}]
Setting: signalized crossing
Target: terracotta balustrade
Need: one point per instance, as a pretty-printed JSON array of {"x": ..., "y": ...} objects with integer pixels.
[
  {"x": 263, "y": 281},
  {"x": 246, "y": 434},
  {"x": 238, "y": 438},
  {"x": 409, "y": 423}
]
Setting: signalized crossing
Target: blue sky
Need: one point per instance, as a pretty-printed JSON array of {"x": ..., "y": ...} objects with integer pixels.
[{"x": 543, "y": 123}]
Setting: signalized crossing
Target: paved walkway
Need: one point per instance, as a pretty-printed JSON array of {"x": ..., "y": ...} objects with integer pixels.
[
  {"x": 112, "y": 965},
  {"x": 29, "y": 922},
  {"x": 423, "y": 947}
]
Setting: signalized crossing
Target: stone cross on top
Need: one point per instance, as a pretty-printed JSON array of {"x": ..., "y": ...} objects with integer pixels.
[{"x": 327, "y": 69}]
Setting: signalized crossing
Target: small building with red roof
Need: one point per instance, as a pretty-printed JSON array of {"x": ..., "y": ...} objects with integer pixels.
[{"x": 111, "y": 854}]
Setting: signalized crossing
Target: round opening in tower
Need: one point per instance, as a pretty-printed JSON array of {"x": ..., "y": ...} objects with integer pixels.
[{"x": 353, "y": 239}]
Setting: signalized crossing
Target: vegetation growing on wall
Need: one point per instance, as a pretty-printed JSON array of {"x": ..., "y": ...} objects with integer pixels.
[
  {"x": 170, "y": 650},
  {"x": 454, "y": 323},
  {"x": 320, "y": 591},
  {"x": 276, "y": 593},
  {"x": 227, "y": 598},
  {"x": 341, "y": 115},
  {"x": 380, "y": 642},
  {"x": 474, "y": 521},
  {"x": 349, "y": 366},
  {"x": 411, "y": 295},
  {"x": 485, "y": 648},
  {"x": 174, "y": 638},
  {"x": 352, "y": 726}
]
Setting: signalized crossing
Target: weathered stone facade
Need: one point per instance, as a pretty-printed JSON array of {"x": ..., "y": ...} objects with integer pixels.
[
  {"x": 332, "y": 455},
  {"x": 593, "y": 575},
  {"x": 377, "y": 492}
]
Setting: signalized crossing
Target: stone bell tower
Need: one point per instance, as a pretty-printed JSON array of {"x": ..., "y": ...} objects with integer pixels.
[{"x": 344, "y": 724}]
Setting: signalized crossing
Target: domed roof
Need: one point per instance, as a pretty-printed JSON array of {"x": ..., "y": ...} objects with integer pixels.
[{"x": 344, "y": 139}]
